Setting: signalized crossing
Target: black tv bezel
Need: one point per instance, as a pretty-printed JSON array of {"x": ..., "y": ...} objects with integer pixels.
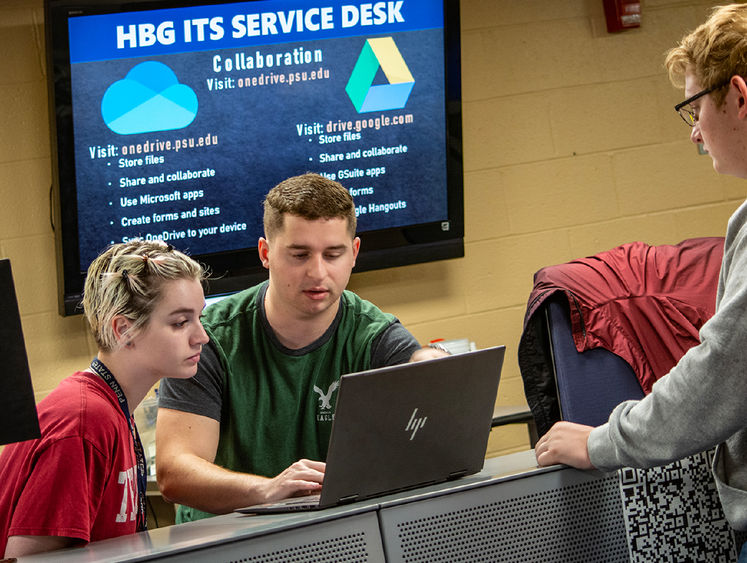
[{"x": 238, "y": 269}]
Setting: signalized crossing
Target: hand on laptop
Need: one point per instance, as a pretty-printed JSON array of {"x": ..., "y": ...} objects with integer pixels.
[
  {"x": 304, "y": 477},
  {"x": 428, "y": 353}
]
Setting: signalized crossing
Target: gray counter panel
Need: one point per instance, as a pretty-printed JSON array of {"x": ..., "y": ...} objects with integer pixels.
[
  {"x": 345, "y": 540},
  {"x": 564, "y": 515}
]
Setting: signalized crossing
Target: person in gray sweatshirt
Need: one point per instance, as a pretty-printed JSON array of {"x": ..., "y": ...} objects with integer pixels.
[{"x": 701, "y": 402}]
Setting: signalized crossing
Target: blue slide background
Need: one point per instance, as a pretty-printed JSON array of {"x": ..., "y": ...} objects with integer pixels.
[{"x": 258, "y": 143}]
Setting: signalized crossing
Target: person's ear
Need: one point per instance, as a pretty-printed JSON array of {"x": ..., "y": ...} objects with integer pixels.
[
  {"x": 263, "y": 247},
  {"x": 121, "y": 326},
  {"x": 739, "y": 83},
  {"x": 356, "y": 248}
]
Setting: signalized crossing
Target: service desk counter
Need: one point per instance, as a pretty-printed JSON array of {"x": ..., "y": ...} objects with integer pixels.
[{"x": 511, "y": 511}]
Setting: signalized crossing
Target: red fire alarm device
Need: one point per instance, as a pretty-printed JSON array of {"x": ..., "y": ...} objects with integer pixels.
[{"x": 622, "y": 14}]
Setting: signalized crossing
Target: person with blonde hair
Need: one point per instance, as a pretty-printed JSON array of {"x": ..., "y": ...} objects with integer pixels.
[
  {"x": 84, "y": 479},
  {"x": 700, "y": 403}
]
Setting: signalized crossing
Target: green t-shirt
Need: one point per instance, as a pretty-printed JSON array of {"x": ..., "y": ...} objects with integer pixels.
[{"x": 278, "y": 404}]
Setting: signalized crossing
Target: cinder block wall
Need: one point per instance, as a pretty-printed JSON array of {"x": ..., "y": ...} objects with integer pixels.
[{"x": 570, "y": 147}]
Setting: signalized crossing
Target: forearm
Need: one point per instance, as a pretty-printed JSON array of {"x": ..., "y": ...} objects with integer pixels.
[
  {"x": 186, "y": 445},
  {"x": 18, "y": 546},
  {"x": 190, "y": 480},
  {"x": 695, "y": 407}
]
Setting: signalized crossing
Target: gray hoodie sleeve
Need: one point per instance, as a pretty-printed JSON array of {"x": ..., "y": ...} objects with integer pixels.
[{"x": 701, "y": 402}]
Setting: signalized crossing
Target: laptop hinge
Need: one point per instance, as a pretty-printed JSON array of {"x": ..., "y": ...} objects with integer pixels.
[
  {"x": 457, "y": 474},
  {"x": 348, "y": 499}
]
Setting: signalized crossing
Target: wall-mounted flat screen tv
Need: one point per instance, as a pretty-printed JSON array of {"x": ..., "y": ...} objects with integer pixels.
[{"x": 171, "y": 119}]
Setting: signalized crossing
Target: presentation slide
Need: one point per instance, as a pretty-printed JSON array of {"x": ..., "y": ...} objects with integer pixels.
[{"x": 184, "y": 118}]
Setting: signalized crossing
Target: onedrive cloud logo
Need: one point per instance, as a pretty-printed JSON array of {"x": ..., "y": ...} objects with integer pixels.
[
  {"x": 148, "y": 99},
  {"x": 381, "y": 52}
]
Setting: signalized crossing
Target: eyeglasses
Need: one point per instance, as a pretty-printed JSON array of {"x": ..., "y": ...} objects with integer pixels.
[{"x": 687, "y": 114}]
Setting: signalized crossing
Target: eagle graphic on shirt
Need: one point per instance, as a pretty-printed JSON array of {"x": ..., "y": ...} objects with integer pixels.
[{"x": 325, "y": 398}]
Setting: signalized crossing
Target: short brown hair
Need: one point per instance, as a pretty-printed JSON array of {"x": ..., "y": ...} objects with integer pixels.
[
  {"x": 714, "y": 52},
  {"x": 311, "y": 197},
  {"x": 126, "y": 279}
]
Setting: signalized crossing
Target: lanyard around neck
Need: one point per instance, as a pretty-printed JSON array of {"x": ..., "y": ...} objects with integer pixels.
[{"x": 142, "y": 480}]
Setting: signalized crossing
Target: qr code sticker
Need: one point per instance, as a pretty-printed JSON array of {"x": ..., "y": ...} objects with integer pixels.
[{"x": 673, "y": 513}]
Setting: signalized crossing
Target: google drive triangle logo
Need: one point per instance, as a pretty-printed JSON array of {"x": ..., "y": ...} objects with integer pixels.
[{"x": 378, "y": 53}]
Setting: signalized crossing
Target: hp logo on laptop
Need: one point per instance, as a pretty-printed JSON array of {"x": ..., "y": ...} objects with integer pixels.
[{"x": 415, "y": 424}]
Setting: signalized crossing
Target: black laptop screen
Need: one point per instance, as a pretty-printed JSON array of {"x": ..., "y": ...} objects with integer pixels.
[{"x": 18, "y": 419}]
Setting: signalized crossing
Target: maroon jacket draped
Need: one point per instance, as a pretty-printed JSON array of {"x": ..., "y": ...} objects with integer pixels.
[{"x": 644, "y": 303}]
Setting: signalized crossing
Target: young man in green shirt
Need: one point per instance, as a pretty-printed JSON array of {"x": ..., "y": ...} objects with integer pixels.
[{"x": 254, "y": 424}]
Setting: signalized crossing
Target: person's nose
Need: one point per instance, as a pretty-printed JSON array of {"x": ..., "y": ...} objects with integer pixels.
[
  {"x": 316, "y": 269},
  {"x": 200, "y": 336},
  {"x": 695, "y": 134}
]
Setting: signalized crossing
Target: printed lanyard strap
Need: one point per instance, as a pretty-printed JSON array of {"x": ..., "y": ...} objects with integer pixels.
[{"x": 142, "y": 480}]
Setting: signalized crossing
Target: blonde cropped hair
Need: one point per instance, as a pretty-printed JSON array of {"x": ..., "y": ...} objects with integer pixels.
[
  {"x": 126, "y": 279},
  {"x": 714, "y": 52},
  {"x": 309, "y": 196}
]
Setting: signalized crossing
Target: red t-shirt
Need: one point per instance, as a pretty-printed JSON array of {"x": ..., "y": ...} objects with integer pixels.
[{"x": 79, "y": 479}]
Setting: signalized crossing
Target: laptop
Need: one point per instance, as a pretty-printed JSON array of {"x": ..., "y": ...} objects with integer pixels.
[
  {"x": 18, "y": 418},
  {"x": 405, "y": 426}
]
